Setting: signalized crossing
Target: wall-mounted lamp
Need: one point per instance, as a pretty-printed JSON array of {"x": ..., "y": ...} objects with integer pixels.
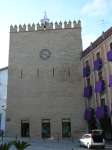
[{"x": 3, "y": 107}]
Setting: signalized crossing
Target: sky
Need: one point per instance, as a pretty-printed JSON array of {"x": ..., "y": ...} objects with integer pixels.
[{"x": 95, "y": 16}]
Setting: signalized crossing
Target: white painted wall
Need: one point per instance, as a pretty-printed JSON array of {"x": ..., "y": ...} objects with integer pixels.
[
  {"x": 3, "y": 95},
  {"x": 3, "y": 122}
]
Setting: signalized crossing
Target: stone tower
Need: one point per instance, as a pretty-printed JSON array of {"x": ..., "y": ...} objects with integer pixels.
[{"x": 44, "y": 97}]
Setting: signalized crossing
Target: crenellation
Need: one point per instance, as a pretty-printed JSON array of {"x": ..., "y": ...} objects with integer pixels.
[
  {"x": 21, "y": 29},
  {"x": 40, "y": 27},
  {"x": 31, "y": 28},
  {"x": 79, "y": 23},
  {"x": 76, "y": 24},
  {"x": 58, "y": 26},
  {"x": 49, "y": 26},
  {"x": 67, "y": 25},
  {"x": 13, "y": 29}
]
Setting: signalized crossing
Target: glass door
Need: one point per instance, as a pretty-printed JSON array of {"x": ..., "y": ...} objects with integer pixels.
[
  {"x": 45, "y": 128},
  {"x": 25, "y": 128},
  {"x": 66, "y": 128}
]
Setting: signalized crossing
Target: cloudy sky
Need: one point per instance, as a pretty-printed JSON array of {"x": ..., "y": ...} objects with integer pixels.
[{"x": 95, "y": 16}]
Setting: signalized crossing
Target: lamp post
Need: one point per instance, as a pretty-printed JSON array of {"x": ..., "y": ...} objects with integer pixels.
[{"x": 3, "y": 108}]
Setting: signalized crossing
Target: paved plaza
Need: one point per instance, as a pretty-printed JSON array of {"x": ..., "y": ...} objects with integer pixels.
[{"x": 40, "y": 144}]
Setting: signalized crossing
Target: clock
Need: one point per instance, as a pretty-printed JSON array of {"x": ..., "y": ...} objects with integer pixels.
[{"x": 45, "y": 54}]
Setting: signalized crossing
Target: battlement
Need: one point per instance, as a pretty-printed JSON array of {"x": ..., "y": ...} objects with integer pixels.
[{"x": 48, "y": 26}]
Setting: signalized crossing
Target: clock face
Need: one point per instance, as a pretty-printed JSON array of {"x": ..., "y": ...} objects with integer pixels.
[{"x": 45, "y": 54}]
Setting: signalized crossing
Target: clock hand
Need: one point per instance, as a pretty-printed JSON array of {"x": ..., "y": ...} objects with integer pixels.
[{"x": 45, "y": 54}]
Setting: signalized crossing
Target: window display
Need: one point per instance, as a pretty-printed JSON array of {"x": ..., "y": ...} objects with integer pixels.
[{"x": 66, "y": 128}]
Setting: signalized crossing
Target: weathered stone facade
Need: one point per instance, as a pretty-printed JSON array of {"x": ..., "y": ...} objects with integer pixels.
[
  {"x": 45, "y": 89},
  {"x": 99, "y": 50}
]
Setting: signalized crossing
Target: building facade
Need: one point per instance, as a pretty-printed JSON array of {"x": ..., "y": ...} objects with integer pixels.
[
  {"x": 44, "y": 81},
  {"x": 3, "y": 96},
  {"x": 97, "y": 81}
]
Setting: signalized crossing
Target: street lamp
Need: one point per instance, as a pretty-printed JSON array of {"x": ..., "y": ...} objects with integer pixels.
[{"x": 3, "y": 107}]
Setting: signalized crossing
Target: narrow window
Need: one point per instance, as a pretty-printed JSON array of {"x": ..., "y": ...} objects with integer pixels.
[
  {"x": 21, "y": 74},
  {"x": 88, "y": 82},
  {"x": 98, "y": 55},
  {"x": 87, "y": 63},
  {"x": 103, "y": 102},
  {"x": 100, "y": 76},
  {"x": 110, "y": 46},
  {"x": 53, "y": 72},
  {"x": 38, "y": 72},
  {"x": 89, "y": 103},
  {"x": 69, "y": 71}
]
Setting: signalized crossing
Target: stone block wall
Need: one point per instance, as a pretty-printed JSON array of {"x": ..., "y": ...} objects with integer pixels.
[{"x": 45, "y": 89}]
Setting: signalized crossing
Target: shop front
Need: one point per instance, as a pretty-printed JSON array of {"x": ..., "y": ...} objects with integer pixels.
[
  {"x": 24, "y": 128},
  {"x": 46, "y": 128},
  {"x": 66, "y": 128}
]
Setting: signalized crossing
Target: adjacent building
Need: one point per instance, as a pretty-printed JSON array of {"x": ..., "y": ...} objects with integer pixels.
[
  {"x": 45, "y": 94},
  {"x": 97, "y": 84},
  {"x": 3, "y": 96}
]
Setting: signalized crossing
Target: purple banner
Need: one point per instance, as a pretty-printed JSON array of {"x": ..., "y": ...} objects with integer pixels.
[
  {"x": 109, "y": 55},
  {"x": 87, "y": 91},
  {"x": 100, "y": 112},
  {"x": 88, "y": 115},
  {"x": 110, "y": 81},
  {"x": 111, "y": 109},
  {"x": 96, "y": 64},
  {"x": 99, "y": 86},
  {"x": 85, "y": 72}
]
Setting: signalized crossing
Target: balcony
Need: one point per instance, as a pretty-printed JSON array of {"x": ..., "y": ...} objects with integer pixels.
[
  {"x": 87, "y": 91},
  {"x": 109, "y": 55},
  {"x": 88, "y": 114},
  {"x": 99, "y": 86},
  {"x": 100, "y": 112},
  {"x": 86, "y": 71},
  {"x": 97, "y": 64},
  {"x": 110, "y": 81}
]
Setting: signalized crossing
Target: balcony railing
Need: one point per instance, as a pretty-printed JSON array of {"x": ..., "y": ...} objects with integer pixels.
[
  {"x": 88, "y": 114},
  {"x": 100, "y": 112},
  {"x": 99, "y": 86},
  {"x": 97, "y": 64},
  {"x": 87, "y": 91},
  {"x": 86, "y": 71},
  {"x": 109, "y": 55}
]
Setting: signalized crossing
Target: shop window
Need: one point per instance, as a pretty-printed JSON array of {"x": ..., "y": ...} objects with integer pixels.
[
  {"x": 45, "y": 128},
  {"x": 100, "y": 76},
  {"x": 103, "y": 102},
  {"x": 87, "y": 63},
  {"x": 110, "y": 46},
  {"x": 66, "y": 128},
  {"x": 24, "y": 128},
  {"x": 89, "y": 103},
  {"x": 88, "y": 82},
  {"x": 98, "y": 55}
]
